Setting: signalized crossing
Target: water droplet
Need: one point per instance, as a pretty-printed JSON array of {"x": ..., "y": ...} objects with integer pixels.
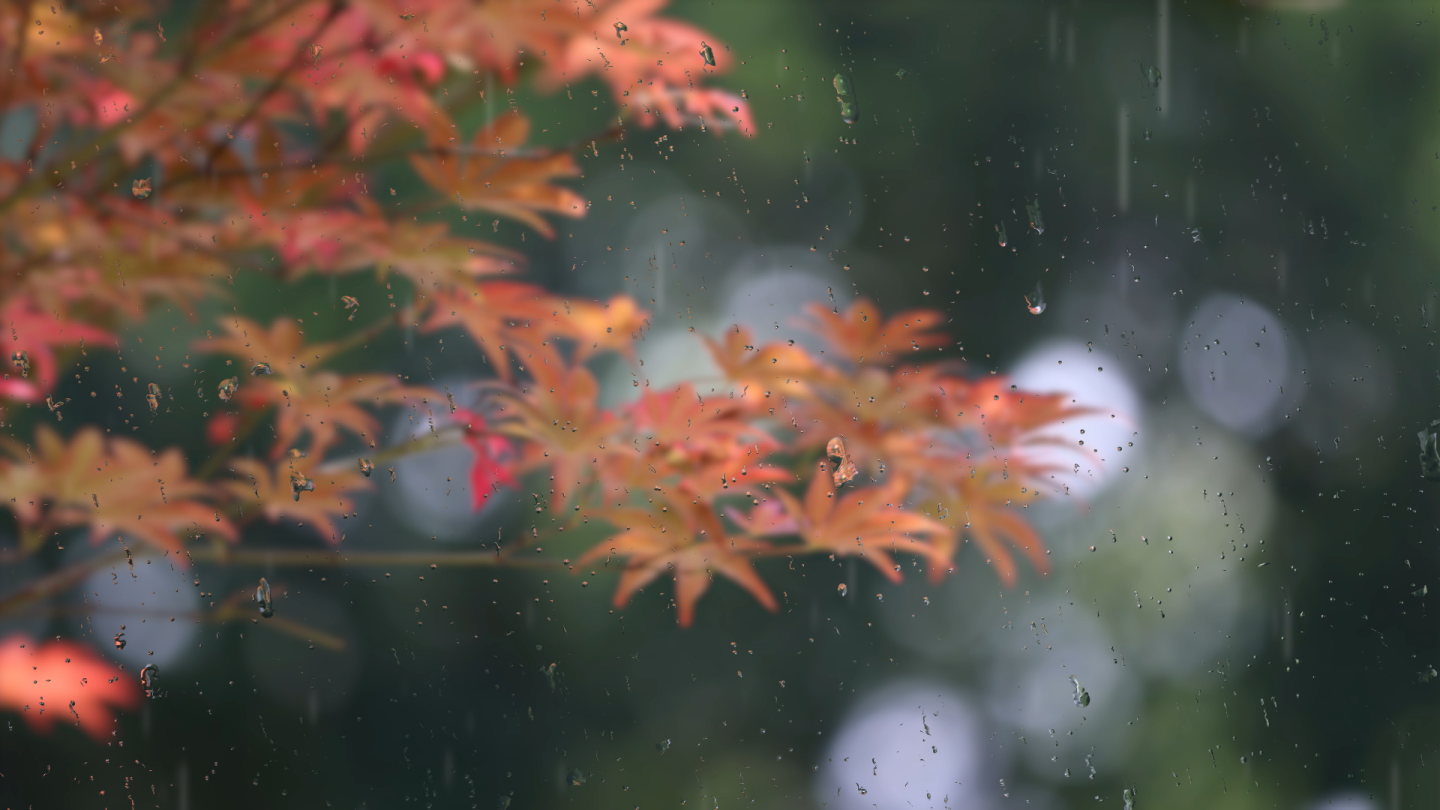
[
  {"x": 1035, "y": 302},
  {"x": 709, "y": 57},
  {"x": 1081, "y": 697},
  {"x": 227, "y": 388},
  {"x": 840, "y": 588},
  {"x": 1430, "y": 452},
  {"x": 1032, "y": 210},
  {"x": 845, "y": 469},
  {"x": 845, "y": 95},
  {"x": 262, "y": 597},
  {"x": 149, "y": 680},
  {"x": 299, "y": 483}
]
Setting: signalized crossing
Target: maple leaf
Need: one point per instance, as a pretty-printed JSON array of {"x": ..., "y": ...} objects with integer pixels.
[
  {"x": 768, "y": 519},
  {"x": 524, "y": 317},
  {"x": 774, "y": 366},
  {"x": 859, "y": 332},
  {"x": 707, "y": 446},
  {"x": 374, "y": 83},
  {"x": 272, "y": 490},
  {"x": 595, "y": 327},
  {"x": 37, "y": 334},
  {"x": 115, "y": 486},
  {"x": 490, "y": 313},
  {"x": 885, "y": 415},
  {"x": 684, "y": 539},
  {"x": 986, "y": 491},
  {"x": 66, "y": 244},
  {"x": 318, "y": 402},
  {"x": 646, "y": 74},
  {"x": 341, "y": 240},
  {"x": 677, "y": 105},
  {"x": 63, "y": 681},
  {"x": 991, "y": 519},
  {"x": 559, "y": 424},
  {"x": 863, "y": 523},
  {"x": 512, "y": 185},
  {"x": 1011, "y": 414},
  {"x": 494, "y": 456}
]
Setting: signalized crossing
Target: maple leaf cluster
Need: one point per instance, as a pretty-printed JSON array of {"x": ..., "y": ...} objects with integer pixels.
[
  {"x": 153, "y": 165},
  {"x": 154, "y": 169},
  {"x": 694, "y": 485}
]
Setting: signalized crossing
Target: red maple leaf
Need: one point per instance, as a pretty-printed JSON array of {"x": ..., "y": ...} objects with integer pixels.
[
  {"x": 63, "y": 681},
  {"x": 495, "y": 455},
  {"x": 34, "y": 336}
]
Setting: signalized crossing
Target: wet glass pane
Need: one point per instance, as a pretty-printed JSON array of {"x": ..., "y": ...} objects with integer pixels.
[{"x": 702, "y": 405}]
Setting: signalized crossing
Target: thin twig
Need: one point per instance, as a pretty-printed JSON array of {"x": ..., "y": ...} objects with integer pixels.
[{"x": 333, "y": 558}]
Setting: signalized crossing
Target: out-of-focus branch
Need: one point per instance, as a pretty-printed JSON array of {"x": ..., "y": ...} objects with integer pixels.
[
  {"x": 24, "y": 8},
  {"x": 336, "y": 6},
  {"x": 110, "y": 135},
  {"x": 54, "y": 583},
  {"x": 330, "y": 558}
]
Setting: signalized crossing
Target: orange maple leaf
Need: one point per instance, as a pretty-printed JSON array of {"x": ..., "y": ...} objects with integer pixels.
[
  {"x": 274, "y": 489},
  {"x": 860, "y": 333},
  {"x": 707, "y": 446},
  {"x": 684, "y": 539},
  {"x": 341, "y": 240},
  {"x": 523, "y": 317},
  {"x": 497, "y": 174},
  {"x": 774, "y": 367},
  {"x": 651, "y": 66},
  {"x": 115, "y": 486},
  {"x": 560, "y": 424},
  {"x": 989, "y": 503},
  {"x": 318, "y": 402},
  {"x": 863, "y": 523}
]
